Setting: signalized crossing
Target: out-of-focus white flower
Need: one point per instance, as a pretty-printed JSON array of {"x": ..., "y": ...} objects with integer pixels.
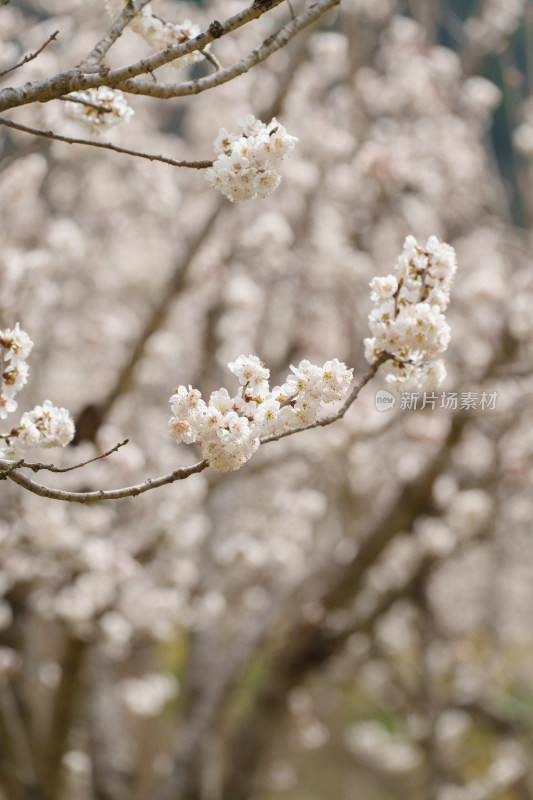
[
  {"x": 246, "y": 163},
  {"x": 147, "y": 696},
  {"x": 408, "y": 322},
  {"x": 480, "y": 96},
  {"x": 495, "y": 22},
  {"x": 391, "y": 752},
  {"x": 109, "y": 108},
  {"x": 523, "y": 133}
]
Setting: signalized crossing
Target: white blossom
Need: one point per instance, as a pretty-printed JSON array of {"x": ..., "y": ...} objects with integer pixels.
[
  {"x": 17, "y": 346},
  {"x": 246, "y": 164},
  {"x": 17, "y": 342},
  {"x": 54, "y": 425},
  {"x": 160, "y": 33},
  {"x": 148, "y": 695},
  {"x": 229, "y": 429},
  {"x": 111, "y": 110},
  {"x": 46, "y": 425},
  {"x": 408, "y": 323}
]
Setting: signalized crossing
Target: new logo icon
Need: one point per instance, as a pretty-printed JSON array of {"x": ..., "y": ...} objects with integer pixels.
[{"x": 385, "y": 400}]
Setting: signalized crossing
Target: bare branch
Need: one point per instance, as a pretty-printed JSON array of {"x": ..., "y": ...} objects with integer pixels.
[
  {"x": 103, "y": 145},
  {"x": 36, "y": 467},
  {"x": 73, "y": 80},
  {"x": 31, "y": 56},
  {"x": 13, "y": 465},
  {"x": 96, "y": 55},
  {"x": 261, "y": 53},
  {"x": 100, "y": 494},
  {"x": 72, "y": 98}
]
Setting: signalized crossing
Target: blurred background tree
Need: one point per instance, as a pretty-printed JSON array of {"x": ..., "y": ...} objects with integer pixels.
[{"x": 349, "y": 615}]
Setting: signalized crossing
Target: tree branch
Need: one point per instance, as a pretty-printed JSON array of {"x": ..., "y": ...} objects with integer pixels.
[
  {"x": 7, "y": 467},
  {"x": 101, "y": 494},
  {"x": 73, "y": 80},
  {"x": 103, "y": 145},
  {"x": 36, "y": 467},
  {"x": 91, "y": 62},
  {"x": 261, "y": 53},
  {"x": 31, "y": 56}
]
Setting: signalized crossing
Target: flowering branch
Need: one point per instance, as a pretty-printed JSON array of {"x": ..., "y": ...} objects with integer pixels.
[
  {"x": 8, "y": 468},
  {"x": 75, "y": 79},
  {"x": 409, "y": 328},
  {"x": 320, "y": 423},
  {"x": 103, "y": 145},
  {"x": 31, "y": 56}
]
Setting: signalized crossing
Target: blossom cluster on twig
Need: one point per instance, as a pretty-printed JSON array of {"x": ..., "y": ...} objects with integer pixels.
[
  {"x": 229, "y": 429},
  {"x": 99, "y": 109},
  {"x": 408, "y": 322},
  {"x": 246, "y": 164},
  {"x": 45, "y": 425}
]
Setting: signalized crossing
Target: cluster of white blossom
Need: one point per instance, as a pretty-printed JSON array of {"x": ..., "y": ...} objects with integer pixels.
[
  {"x": 229, "y": 429},
  {"x": 17, "y": 345},
  {"x": 495, "y": 21},
  {"x": 160, "y": 33},
  {"x": 245, "y": 167},
  {"x": 99, "y": 109},
  {"x": 408, "y": 322},
  {"x": 44, "y": 426}
]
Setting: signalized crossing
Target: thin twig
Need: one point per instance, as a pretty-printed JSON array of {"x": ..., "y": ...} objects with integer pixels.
[
  {"x": 36, "y": 467},
  {"x": 320, "y": 423},
  {"x": 96, "y": 55},
  {"x": 103, "y": 145},
  {"x": 206, "y": 53},
  {"x": 70, "y": 98},
  {"x": 211, "y": 57},
  {"x": 31, "y": 56}
]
